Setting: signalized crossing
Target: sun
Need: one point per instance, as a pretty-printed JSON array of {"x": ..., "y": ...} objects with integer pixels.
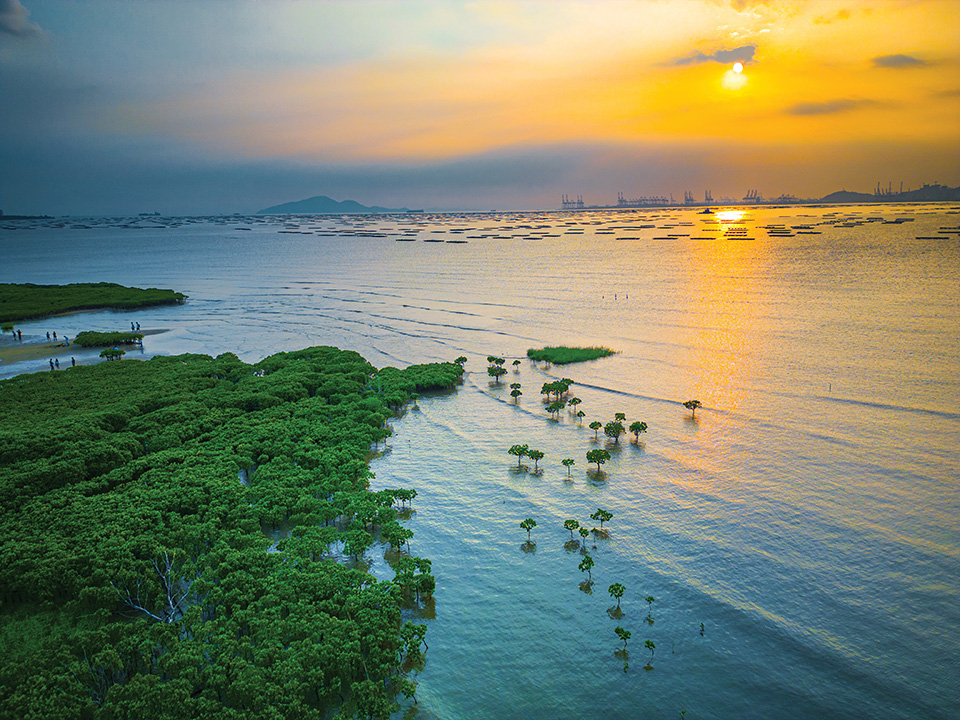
[{"x": 734, "y": 79}]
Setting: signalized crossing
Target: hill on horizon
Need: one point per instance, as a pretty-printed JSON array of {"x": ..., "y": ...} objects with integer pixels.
[
  {"x": 928, "y": 193},
  {"x": 323, "y": 204}
]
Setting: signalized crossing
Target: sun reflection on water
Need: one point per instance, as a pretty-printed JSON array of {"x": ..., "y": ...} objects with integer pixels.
[
  {"x": 727, "y": 322},
  {"x": 730, "y": 216}
]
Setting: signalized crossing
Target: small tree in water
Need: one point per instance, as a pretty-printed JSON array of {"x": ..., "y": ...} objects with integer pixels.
[
  {"x": 528, "y": 525},
  {"x": 595, "y": 426},
  {"x": 613, "y": 430},
  {"x": 692, "y": 406},
  {"x": 598, "y": 456},
  {"x": 521, "y": 451},
  {"x": 536, "y": 456},
  {"x": 638, "y": 427},
  {"x": 623, "y": 635},
  {"x": 568, "y": 463},
  {"x": 601, "y": 515},
  {"x": 584, "y": 533},
  {"x": 617, "y": 590},
  {"x": 585, "y": 565},
  {"x": 571, "y": 525}
]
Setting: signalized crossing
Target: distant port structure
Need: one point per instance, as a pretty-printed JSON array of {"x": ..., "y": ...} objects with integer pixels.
[{"x": 926, "y": 193}]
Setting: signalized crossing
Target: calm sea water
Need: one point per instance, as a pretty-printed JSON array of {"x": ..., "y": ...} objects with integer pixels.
[{"x": 808, "y": 516}]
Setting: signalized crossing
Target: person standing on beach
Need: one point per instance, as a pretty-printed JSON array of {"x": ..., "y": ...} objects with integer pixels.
[
  {"x": 48, "y": 335},
  {"x": 73, "y": 361},
  {"x": 20, "y": 335},
  {"x": 138, "y": 327},
  {"x": 56, "y": 362},
  {"x": 51, "y": 364}
]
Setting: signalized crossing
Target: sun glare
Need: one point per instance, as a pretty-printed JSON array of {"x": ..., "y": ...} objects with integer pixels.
[
  {"x": 730, "y": 216},
  {"x": 734, "y": 79}
]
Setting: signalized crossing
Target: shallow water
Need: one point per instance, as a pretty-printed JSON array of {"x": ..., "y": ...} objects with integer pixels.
[{"x": 807, "y": 517}]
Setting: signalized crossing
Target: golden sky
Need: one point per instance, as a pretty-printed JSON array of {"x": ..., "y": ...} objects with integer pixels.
[{"x": 830, "y": 93}]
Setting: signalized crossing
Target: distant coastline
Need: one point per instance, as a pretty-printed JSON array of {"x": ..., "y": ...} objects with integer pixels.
[{"x": 925, "y": 194}]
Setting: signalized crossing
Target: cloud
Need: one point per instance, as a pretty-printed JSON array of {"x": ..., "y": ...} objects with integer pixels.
[
  {"x": 830, "y": 107},
  {"x": 843, "y": 14},
  {"x": 14, "y": 20},
  {"x": 744, "y": 54},
  {"x": 897, "y": 61}
]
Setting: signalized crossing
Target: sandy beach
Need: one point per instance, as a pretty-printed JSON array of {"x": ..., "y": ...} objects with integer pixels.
[{"x": 37, "y": 347}]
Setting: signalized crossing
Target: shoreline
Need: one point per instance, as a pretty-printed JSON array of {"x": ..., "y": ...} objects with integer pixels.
[{"x": 37, "y": 347}]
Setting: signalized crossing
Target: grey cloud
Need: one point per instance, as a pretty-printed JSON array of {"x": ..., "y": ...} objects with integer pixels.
[
  {"x": 744, "y": 54},
  {"x": 15, "y": 20},
  {"x": 897, "y": 61},
  {"x": 830, "y": 107}
]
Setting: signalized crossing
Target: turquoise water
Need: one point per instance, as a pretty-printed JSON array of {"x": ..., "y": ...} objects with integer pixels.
[{"x": 807, "y": 516}]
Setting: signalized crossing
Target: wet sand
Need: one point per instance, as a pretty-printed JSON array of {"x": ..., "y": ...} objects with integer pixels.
[{"x": 37, "y": 347}]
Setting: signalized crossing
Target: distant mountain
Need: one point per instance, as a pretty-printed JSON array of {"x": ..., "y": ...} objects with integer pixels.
[
  {"x": 322, "y": 204},
  {"x": 928, "y": 193}
]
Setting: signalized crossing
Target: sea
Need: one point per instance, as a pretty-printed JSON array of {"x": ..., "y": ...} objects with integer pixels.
[{"x": 789, "y": 550}]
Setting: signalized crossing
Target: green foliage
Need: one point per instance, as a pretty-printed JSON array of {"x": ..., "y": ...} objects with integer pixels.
[
  {"x": 134, "y": 572},
  {"x": 88, "y": 338},
  {"x": 638, "y": 427},
  {"x": 568, "y": 463},
  {"x": 571, "y": 525},
  {"x": 558, "y": 388},
  {"x": 692, "y": 406},
  {"x": 595, "y": 426},
  {"x": 598, "y": 456},
  {"x": 562, "y": 355},
  {"x": 112, "y": 353},
  {"x": 613, "y": 430},
  {"x": 622, "y": 633},
  {"x": 617, "y": 590},
  {"x": 601, "y": 515},
  {"x": 22, "y": 301},
  {"x": 496, "y": 372},
  {"x": 521, "y": 451},
  {"x": 536, "y": 456},
  {"x": 528, "y": 525},
  {"x": 586, "y": 566}
]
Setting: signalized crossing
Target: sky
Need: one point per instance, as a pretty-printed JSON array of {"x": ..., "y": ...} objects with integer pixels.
[{"x": 204, "y": 107}]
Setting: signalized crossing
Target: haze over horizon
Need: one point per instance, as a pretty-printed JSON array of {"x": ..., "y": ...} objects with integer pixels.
[{"x": 206, "y": 107}]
